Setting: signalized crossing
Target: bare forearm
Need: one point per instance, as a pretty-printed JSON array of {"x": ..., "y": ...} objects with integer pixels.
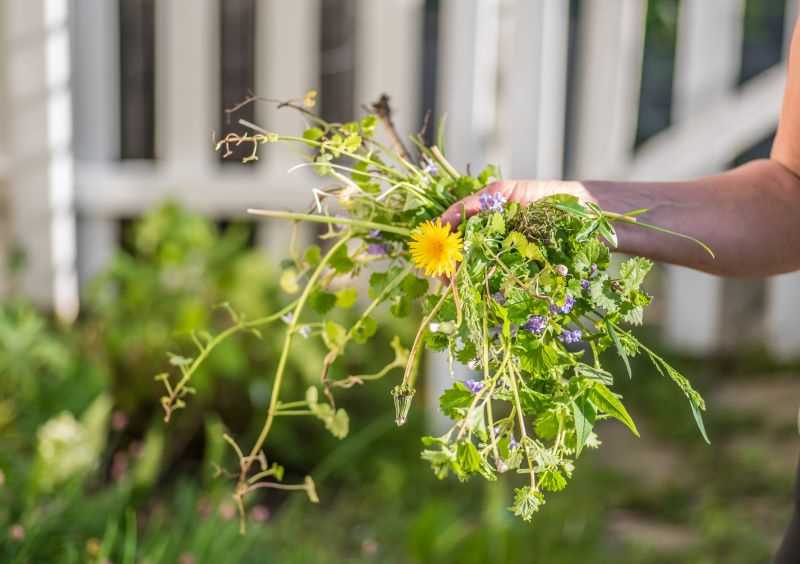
[{"x": 749, "y": 216}]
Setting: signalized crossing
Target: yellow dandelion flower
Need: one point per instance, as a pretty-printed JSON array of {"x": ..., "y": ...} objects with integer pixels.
[{"x": 435, "y": 249}]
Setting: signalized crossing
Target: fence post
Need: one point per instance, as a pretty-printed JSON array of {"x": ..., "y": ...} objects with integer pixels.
[
  {"x": 706, "y": 68},
  {"x": 468, "y": 77},
  {"x": 282, "y": 28},
  {"x": 534, "y": 99},
  {"x": 95, "y": 49},
  {"x": 388, "y": 49},
  {"x": 611, "y": 47},
  {"x": 41, "y": 184},
  {"x": 187, "y": 55}
]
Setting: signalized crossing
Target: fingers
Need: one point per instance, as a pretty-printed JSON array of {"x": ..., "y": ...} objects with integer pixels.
[
  {"x": 467, "y": 207},
  {"x": 470, "y": 205}
]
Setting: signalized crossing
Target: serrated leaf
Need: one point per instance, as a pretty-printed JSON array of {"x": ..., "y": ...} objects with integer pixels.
[
  {"x": 698, "y": 419},
  {"x": 605, "y": 400},
  {"x": 620, "y": 349},
  {"x": 633, "y": 271},
  {"x": 455, "y": 399},
  {"x": 584, "y": 415},
  {"x": 468, "y": 457}
]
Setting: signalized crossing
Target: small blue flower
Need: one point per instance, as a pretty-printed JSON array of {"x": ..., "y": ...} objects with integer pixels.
[
  {"x": 375, "y": 234},
  {"x": 287, "y": 318},
  {"x": 593, "y": 269},
  {"x": 536, "y": 324},
  {"x": 570, "y": 337},
  {"x": 492, "y": 202},
  {"x": 499, "y": 297},
  {"x": 431, "y": 168},
  {"x": 585, "y": 284},
  {"x": 377, "y": 249},
  {"x": 512, "y": 443},
  {"x": 305, "y": 331},
  {"x": 474, "y": 386},
  {"x": 569, "y": 303}
]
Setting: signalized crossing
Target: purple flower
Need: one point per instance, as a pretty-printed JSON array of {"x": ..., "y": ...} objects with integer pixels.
[
  {"x": 569, "y": 303},
  {"x": 474, "y": 386},
  {"x": 562, "y": 269},
  {"x": 374, "y": 234},
  {"x": 593, "y": 269},
  {"x": 512, "y": 443},
  {"x": 377, "y": 249},
  {"x": 492, "y": 202},
  {"x": 570, "y": 337},
  {"x": 536, "y": 324},
  {"x": 499, "y": 297},
  {"x": 585, "y": 284},
  {"x": 431, "y": 168}
]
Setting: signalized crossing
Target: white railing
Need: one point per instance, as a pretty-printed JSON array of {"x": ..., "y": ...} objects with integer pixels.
[{"x": 502, "y": 79}]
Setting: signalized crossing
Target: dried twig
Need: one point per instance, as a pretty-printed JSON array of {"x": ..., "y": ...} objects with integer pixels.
[{"x": 384, "y": 111}]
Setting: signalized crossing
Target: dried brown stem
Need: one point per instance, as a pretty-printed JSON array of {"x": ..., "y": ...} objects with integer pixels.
[{"x": 383, "y": 110}]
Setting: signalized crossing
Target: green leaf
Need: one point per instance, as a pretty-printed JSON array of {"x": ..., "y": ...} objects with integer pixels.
[
  {"x": 633, "y": 271},
  {"x": 584, "y": 414},
  {"x": 377, "y": 282},
  {"x": 468, "y": 457},
  {"x": 346, "y": 297},
  {"x": 288, "y": 281},
  {"x": 414, "y": 287},
  {"x": 546, "y": 425},
  {"x": 698, "y": 419},
  {"x": 339, "y": 424},
  {"x": 313, "y": 133},
  {"x": 334, "y": 335},
  {"x": 454, "y": 400},
  {"x": 607, "y": 402},
  {"x": 313, "y": 255},
  {"x": 620, "y": 349},
  {"x": 321, "y": 301},
  {"x": 365, "y": 329},
  {"x": 497, "y": 224},
  {"x": 552, "y": 481},
  {"x": 340, "y": 261}
]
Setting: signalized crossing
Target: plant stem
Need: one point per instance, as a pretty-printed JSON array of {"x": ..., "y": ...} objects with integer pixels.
[
  {"x": 410, "y": 373},
  {"x": 287, "y": 343},
  {"x": 240, "y": 326},
  {"x": 294, "y": 216}
]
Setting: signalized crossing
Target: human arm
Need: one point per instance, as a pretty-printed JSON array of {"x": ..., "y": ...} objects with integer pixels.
[{"x": 749, "y": 216}]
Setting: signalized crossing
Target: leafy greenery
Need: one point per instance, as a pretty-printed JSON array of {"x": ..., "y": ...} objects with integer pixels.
[{"x": 533, "y": 305}]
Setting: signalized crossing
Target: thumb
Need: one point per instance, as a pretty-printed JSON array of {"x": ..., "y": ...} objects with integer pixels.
[{"x": 471, "y": 205}]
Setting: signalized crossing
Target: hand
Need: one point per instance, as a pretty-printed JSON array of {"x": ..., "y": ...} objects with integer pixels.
[{"x": 520, "y": 191}]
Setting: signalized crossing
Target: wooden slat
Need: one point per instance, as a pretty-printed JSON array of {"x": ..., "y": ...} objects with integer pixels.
[
  {"x": 535, "y": 95},
  {"x": 608, "y": 79},
  {"x": 388, "y": 48},
  {"x": 707, "y": 63},
  {"x": 95, "y": 71},
  {"x": 468, "y": 78},
  {"x": 187, "y": 57},
  {"x": 41, "y": 181}
]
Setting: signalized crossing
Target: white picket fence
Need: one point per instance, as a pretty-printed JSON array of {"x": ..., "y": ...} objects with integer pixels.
[{"x": 502, "y": 79}]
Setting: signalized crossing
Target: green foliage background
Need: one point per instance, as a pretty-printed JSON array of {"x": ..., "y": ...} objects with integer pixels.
[{"x": 89, "y": 471}]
